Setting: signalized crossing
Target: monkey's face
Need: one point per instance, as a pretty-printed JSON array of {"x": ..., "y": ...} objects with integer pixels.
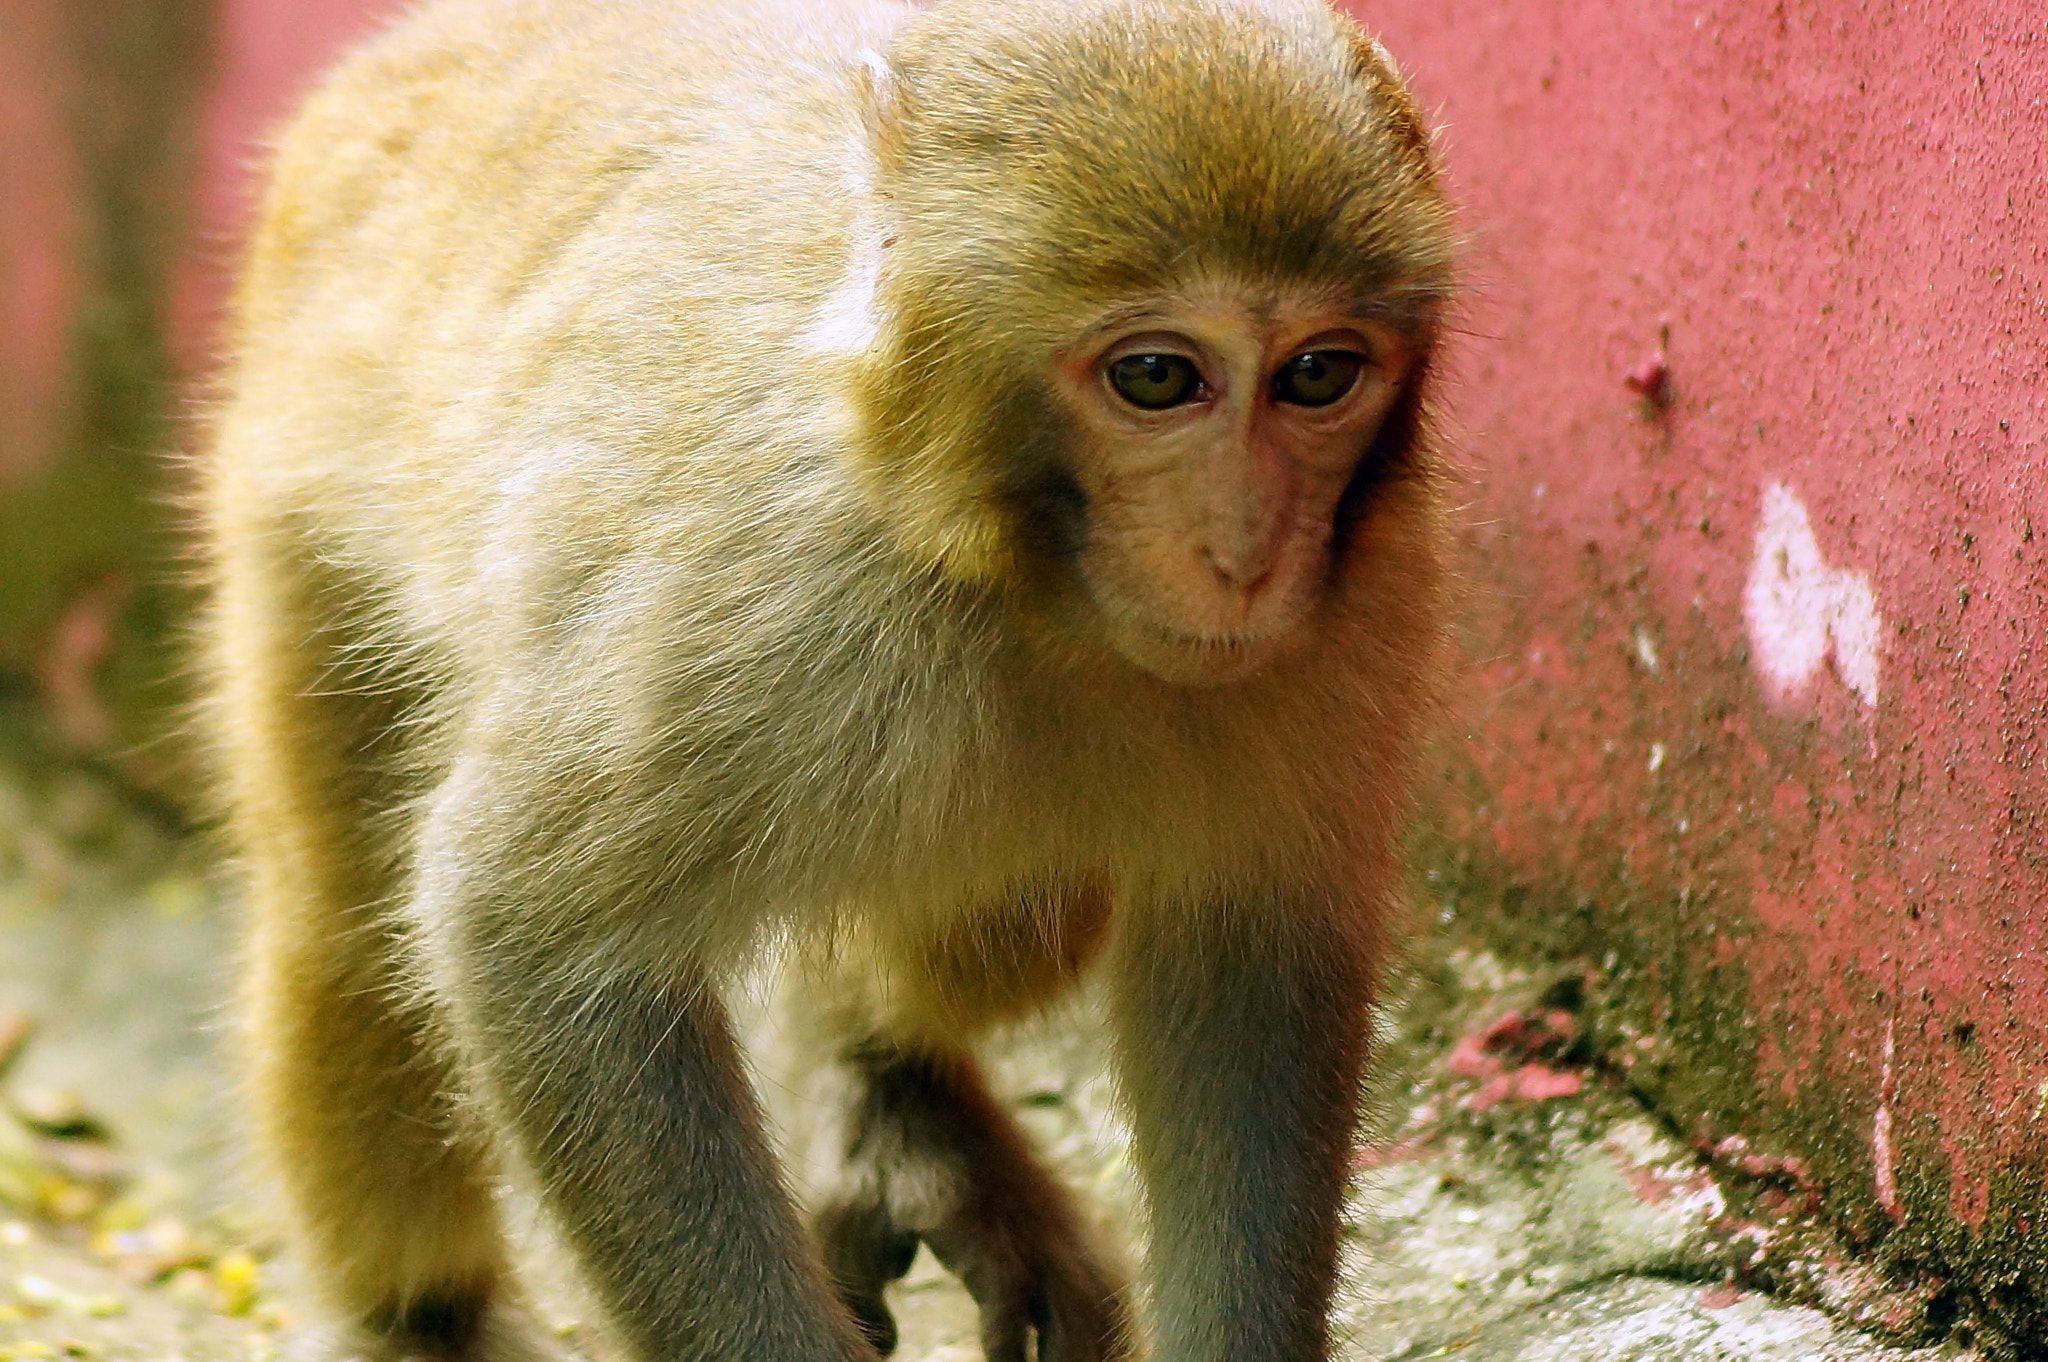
[{"x": 1218, "y": 432}]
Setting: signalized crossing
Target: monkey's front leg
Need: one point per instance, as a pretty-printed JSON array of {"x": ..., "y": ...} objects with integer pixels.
[
  {"x": 624, "y": 1093},
  {"x": 1241, "y": 1034}
]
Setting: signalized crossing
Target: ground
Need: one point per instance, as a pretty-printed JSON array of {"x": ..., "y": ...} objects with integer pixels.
[{"x": 1516, "y": 1200}]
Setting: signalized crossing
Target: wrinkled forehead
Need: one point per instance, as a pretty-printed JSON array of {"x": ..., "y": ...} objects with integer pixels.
[
  {"x": 1252, "y": 306},
  {"x": 1248, "y": 150},
  {"x": 1334, "y": 242}
]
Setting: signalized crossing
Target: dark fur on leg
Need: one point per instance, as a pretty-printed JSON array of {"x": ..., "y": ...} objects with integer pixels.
[{"x": 932, "y": 1156}]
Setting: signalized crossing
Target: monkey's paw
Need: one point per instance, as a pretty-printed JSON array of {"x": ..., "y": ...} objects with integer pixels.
[
  {"x": 495, "y": 1333},
  {"x": 1035, "y": 1277},
  {"x": 864, "y": 1252},
  {"x": 1029, "y": 1273}
]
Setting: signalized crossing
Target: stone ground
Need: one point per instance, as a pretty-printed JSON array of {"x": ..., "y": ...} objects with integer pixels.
[{"x": 1518, "y": 1203}]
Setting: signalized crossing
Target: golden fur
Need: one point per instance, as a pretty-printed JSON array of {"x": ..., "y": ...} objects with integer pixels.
[{"x": 636, "y": 525}]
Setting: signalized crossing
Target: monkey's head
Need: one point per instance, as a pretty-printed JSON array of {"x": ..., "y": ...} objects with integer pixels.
[{"x": 1156, "y": 292}]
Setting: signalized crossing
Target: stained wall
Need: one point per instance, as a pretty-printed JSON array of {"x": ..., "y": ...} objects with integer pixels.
[{"x": 1752, "y": 389}]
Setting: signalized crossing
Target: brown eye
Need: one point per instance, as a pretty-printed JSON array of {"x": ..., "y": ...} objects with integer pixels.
[
  {"x": 1154, "y": 381},
  {"x": 1318, "y": 378}
]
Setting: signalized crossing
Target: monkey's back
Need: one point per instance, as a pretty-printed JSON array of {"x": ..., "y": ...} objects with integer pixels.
[
  {"x": 523, "y": 428},
  {"x": 538, "y": 242}
]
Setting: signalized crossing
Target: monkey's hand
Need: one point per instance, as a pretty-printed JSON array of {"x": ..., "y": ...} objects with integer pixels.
[
  {"x": 933, "y": 1157},
  {"x": 1032, "y": 1273},
  {"x": 864, "y": 1251}
]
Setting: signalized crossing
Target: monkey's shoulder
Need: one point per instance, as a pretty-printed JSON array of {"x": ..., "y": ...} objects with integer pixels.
[
  {"x": 476, "y": 68},
  {"x": 480, "y": 135}
]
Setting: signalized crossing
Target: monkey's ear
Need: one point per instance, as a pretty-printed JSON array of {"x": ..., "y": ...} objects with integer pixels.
[
  {"x": 879, "y": 95},
  {"x": 1374, "y": 68}
]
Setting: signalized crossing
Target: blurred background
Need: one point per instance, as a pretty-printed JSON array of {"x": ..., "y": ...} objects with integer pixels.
[
  {"x": 1751, "y": 392},
  {"x": 131, "y": 136}
]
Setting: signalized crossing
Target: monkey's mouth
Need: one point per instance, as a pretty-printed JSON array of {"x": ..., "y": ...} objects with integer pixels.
[{"x": 1189, "y": 658}]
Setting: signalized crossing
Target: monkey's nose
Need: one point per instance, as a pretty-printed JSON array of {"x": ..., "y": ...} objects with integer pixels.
[
  {"x": 1241, "y": 574},
  {"x": 1238, "y": 572},
  {"x": 1241, "y": 556}
]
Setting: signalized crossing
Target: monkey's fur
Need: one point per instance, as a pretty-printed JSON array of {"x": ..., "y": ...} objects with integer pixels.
[{"x": 666, "y": 505}]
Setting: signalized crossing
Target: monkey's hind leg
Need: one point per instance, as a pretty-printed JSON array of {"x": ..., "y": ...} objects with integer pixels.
[
  {"x": 390, "y": 1210},
  {"x": 932, "y": 1156},
  {"x": 390, "y": 1206},
  {"x": 928, "y": 1154}
]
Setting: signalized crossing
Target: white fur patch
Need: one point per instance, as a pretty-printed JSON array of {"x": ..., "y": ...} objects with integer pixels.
[
  {"x": 879, "y": 76},
  {"x": 846, "y": 323}
]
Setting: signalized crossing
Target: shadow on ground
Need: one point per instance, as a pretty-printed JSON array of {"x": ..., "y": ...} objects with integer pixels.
[{"x": 1517, "y": 1204}]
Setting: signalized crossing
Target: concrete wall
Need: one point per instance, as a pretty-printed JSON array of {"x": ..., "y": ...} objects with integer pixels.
[{"x": 1754, "y": 394}]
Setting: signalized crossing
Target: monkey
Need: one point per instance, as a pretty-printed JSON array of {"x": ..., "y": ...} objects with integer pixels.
[{"x": 950, "y": 494}]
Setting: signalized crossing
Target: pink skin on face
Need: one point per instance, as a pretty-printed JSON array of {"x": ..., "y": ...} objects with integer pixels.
[{"x": 1210, "y": 518}]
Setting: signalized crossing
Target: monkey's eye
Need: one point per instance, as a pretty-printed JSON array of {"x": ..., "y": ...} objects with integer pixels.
[
  {"x": 1317, "y": 378},
  {"x": 1154, "y": 381}
]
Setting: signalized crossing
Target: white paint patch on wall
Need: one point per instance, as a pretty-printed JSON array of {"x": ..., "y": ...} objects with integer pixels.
[{"x": 1801, "y": 611}]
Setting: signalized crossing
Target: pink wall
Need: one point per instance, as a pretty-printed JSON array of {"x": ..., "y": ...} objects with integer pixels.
[
  {"x": 267, "y": 51},
  {"x": 39, "y": 231},
  {"x": 1765, "y": 669}
]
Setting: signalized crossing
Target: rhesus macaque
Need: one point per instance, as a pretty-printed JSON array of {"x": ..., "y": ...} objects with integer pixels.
[{"x": 948, "y": 494}]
